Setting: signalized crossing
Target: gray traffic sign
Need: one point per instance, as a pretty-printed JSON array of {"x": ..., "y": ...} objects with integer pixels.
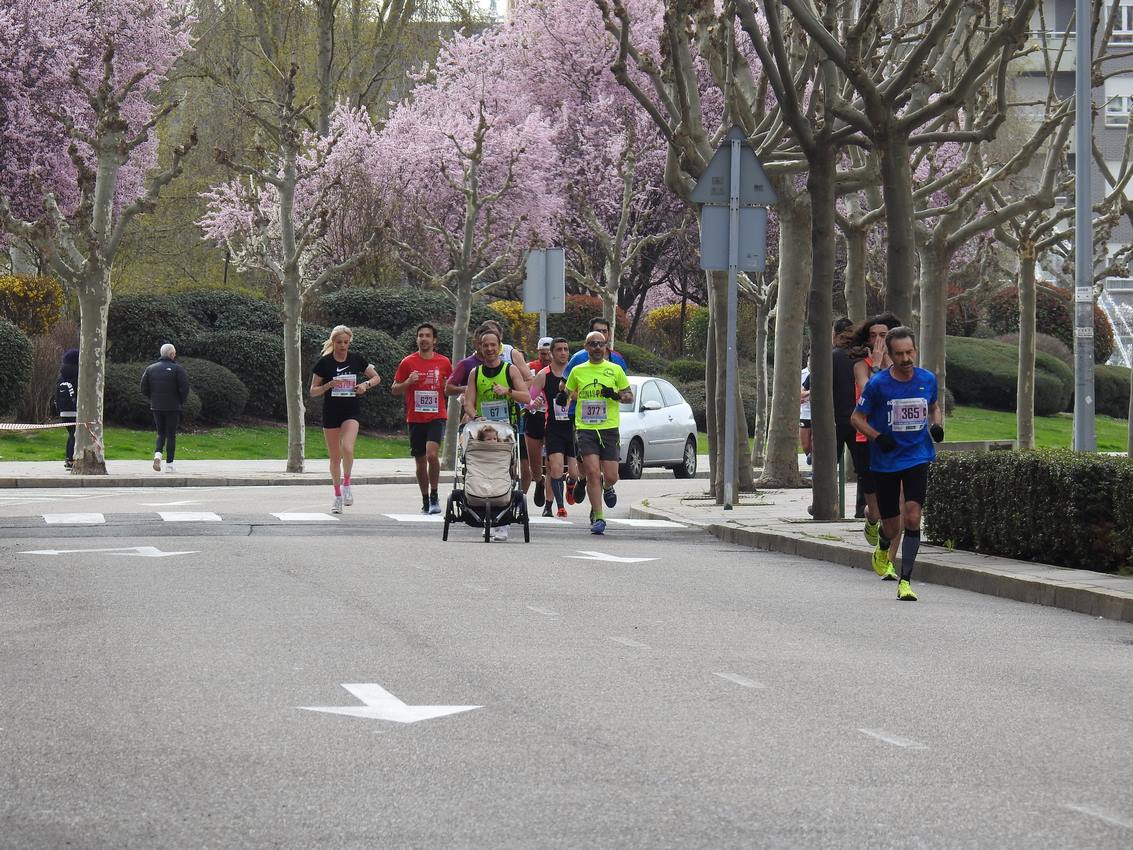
[
  {"x": 544, "y": 287},
  {"x": 714, "y": 238},
  {"x": 714, "y": 185}
]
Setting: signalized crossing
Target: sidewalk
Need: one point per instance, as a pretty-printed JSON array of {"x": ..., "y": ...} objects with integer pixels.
[
  {"x": 230, "y": 473},
  {"x": 777, "y": 521}
]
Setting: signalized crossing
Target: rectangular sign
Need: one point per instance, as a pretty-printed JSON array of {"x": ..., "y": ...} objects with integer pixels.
[
  {"x": 544, "y": 286},
  {"x": 1084, "y": 333},
  {"x": 1084, "y": 294},
  {"x": 752, "y": 255}
]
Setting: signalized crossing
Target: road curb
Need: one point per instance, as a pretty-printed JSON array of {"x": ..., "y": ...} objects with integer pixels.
[{"x": 932, "y": 568}]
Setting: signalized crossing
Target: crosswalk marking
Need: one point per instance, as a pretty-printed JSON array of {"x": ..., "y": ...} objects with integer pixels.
[
  {"x": 300, "y": 517},
  {"x": 646, "y": 523},
  {"x": 73, "y": 519},
  {"x": 416, "y": 517},
  {"x": 189, "y": 516}
]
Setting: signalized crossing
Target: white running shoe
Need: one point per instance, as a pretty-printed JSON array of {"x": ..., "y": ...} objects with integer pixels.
[
  {"x": 336, "y": 508},
  {"x": 157, "y": 461},
  {"x": 347, "y": 495},
  {"x": 169, "y": 467},
  {"x": 499, "y": 535}
]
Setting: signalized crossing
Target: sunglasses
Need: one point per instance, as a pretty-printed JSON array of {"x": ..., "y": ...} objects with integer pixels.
[{"x": 595, "y": 345}]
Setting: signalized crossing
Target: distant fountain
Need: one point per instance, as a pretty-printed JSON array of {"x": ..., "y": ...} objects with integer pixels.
[{"x": 1118, "y": 306}]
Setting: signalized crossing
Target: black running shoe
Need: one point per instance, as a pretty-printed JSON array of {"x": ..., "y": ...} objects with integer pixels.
[
  {"x": 548, "y": 510},
  {"x": 580, "y": 491},
  {"x": 539, "y": 497}
]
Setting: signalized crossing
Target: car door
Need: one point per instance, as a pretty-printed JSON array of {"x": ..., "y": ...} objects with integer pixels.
[
  {"x": 677, "y": 428},
  {"x": 656, "y": 422}
]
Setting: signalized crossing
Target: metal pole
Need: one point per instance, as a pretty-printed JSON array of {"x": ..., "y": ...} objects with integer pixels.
[
  {"x": 1085, "y": 438},
  {"x": 842, "y": 483},
  {"x": 730, "y": 372},
  {"x": 542, "y": 323}
]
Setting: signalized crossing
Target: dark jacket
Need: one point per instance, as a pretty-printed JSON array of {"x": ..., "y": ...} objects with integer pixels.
[
  {"x": 165, "y": 384},
  {"x": 67, "y": 386}
]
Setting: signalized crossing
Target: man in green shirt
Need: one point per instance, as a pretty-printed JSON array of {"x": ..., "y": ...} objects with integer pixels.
[{"x": 598, "y": 386}]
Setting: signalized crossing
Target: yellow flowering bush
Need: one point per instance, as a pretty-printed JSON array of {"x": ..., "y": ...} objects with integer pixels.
[
  {"x": 524, "y": 326},
  {"x": 33, "y": 304},
  {"x": 663, "y": 325}
]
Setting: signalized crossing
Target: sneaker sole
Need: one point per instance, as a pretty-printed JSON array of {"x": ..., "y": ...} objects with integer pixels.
[
  {"x": 157, "y": 466},
  {"x": 890, "y": 576}
]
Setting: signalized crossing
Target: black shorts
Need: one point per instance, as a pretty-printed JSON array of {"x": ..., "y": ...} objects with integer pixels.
[
  {"x": 559, "y": 441},
  {"x": 913, "y": 480},
  {"x": 605, "y": 443},
  {"x": 421, "y": 433},
  {"x": 804, "y": 423},
  {"x": 535, "y": 424},
  {"x": 335, "y": 418}
]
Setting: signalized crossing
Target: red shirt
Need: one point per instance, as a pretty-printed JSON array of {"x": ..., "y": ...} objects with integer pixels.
[{"x": 425, "y": 400}]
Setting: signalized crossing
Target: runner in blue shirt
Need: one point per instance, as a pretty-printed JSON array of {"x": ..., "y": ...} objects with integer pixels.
[{"x": 899, "y": 414}]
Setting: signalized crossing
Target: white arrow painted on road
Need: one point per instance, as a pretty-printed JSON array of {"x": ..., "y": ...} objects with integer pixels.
[
  {"x": 380, "y": 704},
  {"x": 170, "y": 504},
  {"x": 602, "y": 556},
  {"x": 134, "y": 551}
]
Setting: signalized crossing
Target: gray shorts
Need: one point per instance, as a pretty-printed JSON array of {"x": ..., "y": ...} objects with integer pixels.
[{"x": 605, "y": 443}]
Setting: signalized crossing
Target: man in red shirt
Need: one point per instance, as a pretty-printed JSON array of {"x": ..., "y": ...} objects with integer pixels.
[{"x": 421, "y": 378}]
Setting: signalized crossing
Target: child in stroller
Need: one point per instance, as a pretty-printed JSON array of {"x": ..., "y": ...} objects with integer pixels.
[{"x": 486, "y": 492}]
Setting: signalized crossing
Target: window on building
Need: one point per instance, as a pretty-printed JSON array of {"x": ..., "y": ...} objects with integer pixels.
[
  {"x": 1117, "y": 110},
  {"x": 1123, "y": 23}
]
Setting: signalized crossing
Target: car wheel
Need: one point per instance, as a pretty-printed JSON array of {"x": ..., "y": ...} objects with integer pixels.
[
  {"x": 635, "y": 460},
  {"x": 687, "y": 468}
]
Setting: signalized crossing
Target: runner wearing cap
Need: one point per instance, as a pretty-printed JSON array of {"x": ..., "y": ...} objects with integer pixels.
[
  {"x": 535, "y": 429},
  {"x": 558, "y": 441}
]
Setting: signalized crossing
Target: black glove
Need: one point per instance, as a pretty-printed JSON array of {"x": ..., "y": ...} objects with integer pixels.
[
  {"x": 885, "y": 442},
  {"x": 610, "y": 392},
  {"x": 937, "y": 432},
  {"x": 561, "y": 398}
]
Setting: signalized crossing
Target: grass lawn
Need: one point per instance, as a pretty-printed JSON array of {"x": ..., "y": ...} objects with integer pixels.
[
  {"x": 259, "y": 442},
  {"x": 256, "y": 442},
  {"x": 1051, "y": 432}
]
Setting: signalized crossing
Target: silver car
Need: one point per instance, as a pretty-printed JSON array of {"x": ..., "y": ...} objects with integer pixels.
[{"x": 657, "y": 429}]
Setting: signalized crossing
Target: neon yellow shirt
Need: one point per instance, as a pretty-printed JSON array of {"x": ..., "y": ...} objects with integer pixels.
[{"x": 593, "y": 411}]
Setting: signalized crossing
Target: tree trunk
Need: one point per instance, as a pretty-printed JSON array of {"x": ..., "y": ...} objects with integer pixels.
[
  {"x": 897, "y": 189},
  {"x": 935, "y": 258},
  {"x": 459, "y": 352},
  {"x": 759, "y": 443},
  {"x": 1025, "y": 391},
  {"x": 781, "y": 466},
  {"x": 326, "y": 15},
  {"x": 610, "y": 297},
  {"x": 820, "y": 185},
  {"x": 856, "y": 253},
  {"x": 94, "y": 304},
  {"x": 293, "y": 372}
]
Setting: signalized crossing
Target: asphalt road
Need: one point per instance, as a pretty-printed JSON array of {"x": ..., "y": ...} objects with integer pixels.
[{"x": 710, "y": 697}]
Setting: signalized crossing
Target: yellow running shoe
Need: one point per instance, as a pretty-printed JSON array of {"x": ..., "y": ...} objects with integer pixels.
[
  {"x": 890, "y": 574},
  {"x": 881, "y": 562},
  {"x": 905, "y": 592},
  {"x": 872, "y": 532}
]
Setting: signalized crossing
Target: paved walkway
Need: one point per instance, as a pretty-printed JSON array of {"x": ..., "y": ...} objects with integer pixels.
[
  {"x": 777, "y": 521},
  {"x": 774, "y": 520}
]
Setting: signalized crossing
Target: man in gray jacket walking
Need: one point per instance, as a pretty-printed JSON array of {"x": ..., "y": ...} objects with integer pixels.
[{"x": 166, "y": 385}]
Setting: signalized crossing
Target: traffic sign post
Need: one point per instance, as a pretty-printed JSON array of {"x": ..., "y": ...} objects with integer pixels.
[
  {"x": 544, "y": 286},
  {"x": 733, "y": 192}
]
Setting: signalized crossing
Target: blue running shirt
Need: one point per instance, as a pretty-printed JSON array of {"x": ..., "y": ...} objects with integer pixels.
[{"x": 900, "y": 408}]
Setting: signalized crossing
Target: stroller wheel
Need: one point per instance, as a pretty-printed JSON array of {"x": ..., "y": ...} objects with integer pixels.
[
  {"x": 526, "y": 530},
  {"x": 488, "y": 525}
]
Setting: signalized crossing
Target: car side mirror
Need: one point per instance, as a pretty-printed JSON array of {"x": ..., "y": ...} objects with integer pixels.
[{"x": 651, "y": 405}]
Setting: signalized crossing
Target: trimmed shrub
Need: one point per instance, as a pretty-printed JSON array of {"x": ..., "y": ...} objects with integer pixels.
[
  {"x": 224, "y": 310},
  {"x": 1111, "y": 391},
  {"x": 696, "y": 331},
  {"x": 255, "y": 357},
  {"x": 138, "y": 325},
  {"x": 663, "y": 331},
  {"x": 33, "y": 304},
  {"x": 1054, "y": 315},
  {"x": 15, "y": 366},
  {"x": 1045, "y": 343},
  {"x": 963, "y": 315},
  {"x": 694, "y": 393},
  {"x": 124, "y": 404},
  {"x": 641, "y": 361},
  {"x": 1001, "y": 503},
  {"x": 686, "y": 370},
  {"x": 575, "y": 322},
  {"x": 223, "y": 395},
  {"x": 394, "y": 309},
  {"x": 985, "y": 373}
]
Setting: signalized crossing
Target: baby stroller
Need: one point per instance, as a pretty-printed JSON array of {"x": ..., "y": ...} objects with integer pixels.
[{"x": 485, "y": 491}]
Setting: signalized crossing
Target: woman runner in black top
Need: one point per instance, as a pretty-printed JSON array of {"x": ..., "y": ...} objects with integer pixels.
[{"x": 336, "y": 378}]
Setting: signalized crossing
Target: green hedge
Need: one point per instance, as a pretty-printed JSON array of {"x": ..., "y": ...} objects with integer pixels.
[
  {"x": 15, "y": 366},
  {"x": 395, "y": 309},
  {"x": 407, "y": 341},
  {"x": 1059, "y": 507},
  {"x": 223, "y": 396},
  {"x": 1111, "y": 391},
  {"x": 693, "y": 391},
  {"x": 574, "y": 323},
  {"x": 255, "y": 357},
  {"x": 641, "y": 361},
  {"x": 984, "y": 373},
  {"x": 686, "y": 370},
  {"x": 1054, "y": 315},
  {"x": 124, "y": 404},
  {"x": 138, "y": 325},
  {"x": 223, "y": 310}
]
